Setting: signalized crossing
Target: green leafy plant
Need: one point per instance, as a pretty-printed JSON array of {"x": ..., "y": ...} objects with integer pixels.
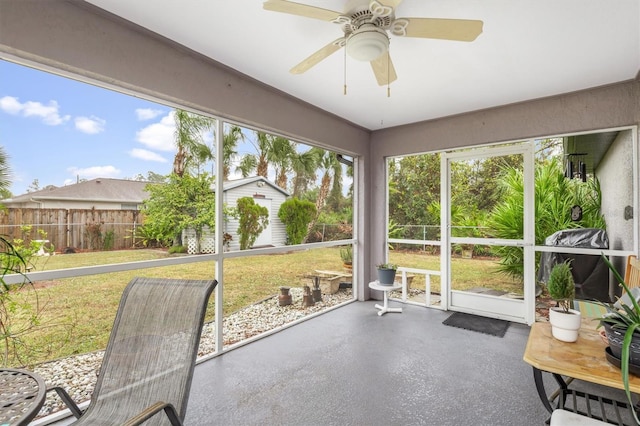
[
  {"x": 627, "y": 319},
  {"x": 109, "y": 238},
  {"x": 561, "y": 285},
  {"x": 387, "y": 266},
  {"x": 346, "y": 254},
  {"x": 554, "y": 197},
  {"x": 253, "y": 220},
  {"x": 184, "y": 202},
  {"x": 144, "y": 236},
  {"x": 29, "y": 248},
  {"x": 19, "y": 314},
  {"x": 296, "y": 215}
]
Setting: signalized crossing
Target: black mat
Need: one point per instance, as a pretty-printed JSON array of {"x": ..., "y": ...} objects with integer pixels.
[{"x": 492, "y": 326}]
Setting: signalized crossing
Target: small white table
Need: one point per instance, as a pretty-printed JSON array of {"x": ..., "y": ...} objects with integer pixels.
[{"x": 385, "y": 289}]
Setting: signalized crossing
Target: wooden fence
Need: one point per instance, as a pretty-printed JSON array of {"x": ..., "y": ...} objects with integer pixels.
[{"x": 80, "y": 229}]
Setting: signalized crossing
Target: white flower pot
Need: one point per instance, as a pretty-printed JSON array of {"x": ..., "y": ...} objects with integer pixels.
[{"x": 565, "y": 326}]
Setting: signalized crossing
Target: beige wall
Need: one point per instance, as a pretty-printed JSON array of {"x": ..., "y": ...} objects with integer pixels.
[
  {"x": 615, "y": 174},
  {"x": 67, "y": 38}
]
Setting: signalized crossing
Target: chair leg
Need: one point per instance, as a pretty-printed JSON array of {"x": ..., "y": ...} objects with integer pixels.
[{"x": 70, "y": 403}]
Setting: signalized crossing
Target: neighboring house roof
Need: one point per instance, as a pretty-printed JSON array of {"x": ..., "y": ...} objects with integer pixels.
[
  {"x": 235, "y": 183},
  {"x": 115, "y": 190},
  {"x": 98, "y": 190}
]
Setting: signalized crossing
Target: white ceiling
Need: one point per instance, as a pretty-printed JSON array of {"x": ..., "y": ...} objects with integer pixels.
[{"x": 528, "y": 49}]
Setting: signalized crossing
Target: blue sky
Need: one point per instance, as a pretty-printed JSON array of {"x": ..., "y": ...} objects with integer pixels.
[
  {"x": 55, "y": 130},
  {"x": 58, "y": 130}
]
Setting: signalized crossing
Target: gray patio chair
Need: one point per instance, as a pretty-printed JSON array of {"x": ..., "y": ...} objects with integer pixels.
[{"x": 149, "y": 361}]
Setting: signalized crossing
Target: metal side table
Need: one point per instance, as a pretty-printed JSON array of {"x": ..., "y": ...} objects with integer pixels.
[{"x": 22, "y": 394}]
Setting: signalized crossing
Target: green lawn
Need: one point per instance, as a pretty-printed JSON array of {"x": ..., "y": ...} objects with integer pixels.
[{"x": 78, "y": 312}]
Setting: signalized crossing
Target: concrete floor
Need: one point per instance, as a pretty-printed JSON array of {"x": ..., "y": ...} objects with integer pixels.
[{"x": 352, "y": 367}]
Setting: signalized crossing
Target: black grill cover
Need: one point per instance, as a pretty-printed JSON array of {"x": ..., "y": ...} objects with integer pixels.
[{"x": 590, "y": 273}]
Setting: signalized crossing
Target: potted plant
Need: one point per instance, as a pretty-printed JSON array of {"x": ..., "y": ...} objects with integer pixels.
[
  {"x": 386, "y": 273},
  {"x": 346, "y": 254},
  {"x": 565, "y": 321},
  {"x": 621, "y": 322}
]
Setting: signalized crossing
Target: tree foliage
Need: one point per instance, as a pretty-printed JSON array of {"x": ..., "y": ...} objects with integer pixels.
[
  {"x": 253, "y": 220},
  {"x": 414, "y": 184},
  {"x": 184, "y": 202},
  {"x": 191, "y": 148},
  {"x": 554, "y": 197},
  {"x": 296, "y": 215}
]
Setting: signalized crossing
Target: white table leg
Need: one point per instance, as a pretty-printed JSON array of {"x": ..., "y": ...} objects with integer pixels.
[{"x": 385, "y": 307}]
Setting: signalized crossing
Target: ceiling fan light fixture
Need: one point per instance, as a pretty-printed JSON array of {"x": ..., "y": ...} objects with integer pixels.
[{"x": 367, "y": 43}]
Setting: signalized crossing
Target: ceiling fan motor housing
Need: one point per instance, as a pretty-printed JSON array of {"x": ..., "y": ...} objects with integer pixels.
[{"x": 367, "y": 43}]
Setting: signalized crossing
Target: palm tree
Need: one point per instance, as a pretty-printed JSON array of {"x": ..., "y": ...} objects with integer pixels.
[
  {"x": 327, "y": 162},
  {"x": 232, "y": 136},
  {"x": 5, "y": 174},
  {"x": 265, "y": 142},
  {"x": 280, "y": 154},
  {"x": 304, "y": 169},
  {"x": 258, "y": 162},
  {"x": 191, "y": 147},
  {"x": 248, "y": 164}
]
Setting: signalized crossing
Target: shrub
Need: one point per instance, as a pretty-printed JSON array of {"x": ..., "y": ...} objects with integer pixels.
[
  {"x": 561, "y": 286},
  {"x": 296, "y": 215},
  {"x": 253, "y": 220}
]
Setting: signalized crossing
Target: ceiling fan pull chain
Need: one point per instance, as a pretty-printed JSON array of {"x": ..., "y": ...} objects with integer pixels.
[
  {"x": 345, "y": 71},
  {"x": 388, "y": 74}
]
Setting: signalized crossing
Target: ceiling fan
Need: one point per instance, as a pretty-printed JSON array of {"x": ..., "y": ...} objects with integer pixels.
[{"x": 366, "y": 28}]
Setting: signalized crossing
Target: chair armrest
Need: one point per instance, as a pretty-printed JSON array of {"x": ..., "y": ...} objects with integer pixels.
[
  {"x": 68, "y": 401},
  {"x": 151, "y": 411}
]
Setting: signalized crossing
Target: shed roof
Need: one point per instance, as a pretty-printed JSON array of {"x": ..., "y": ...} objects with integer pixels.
[{"x": 235, "y": 183}]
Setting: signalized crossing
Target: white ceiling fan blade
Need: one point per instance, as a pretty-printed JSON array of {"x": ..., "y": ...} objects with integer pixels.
[
  {"x": 445, "y": 29},
  {"x": 300, "y": 10},
  {"x": 383, "y": 69},
  {"x": 318, "y": 56}
]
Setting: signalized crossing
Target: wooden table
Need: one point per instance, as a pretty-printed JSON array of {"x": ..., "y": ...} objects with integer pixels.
[{"x": 584, "y": 360}]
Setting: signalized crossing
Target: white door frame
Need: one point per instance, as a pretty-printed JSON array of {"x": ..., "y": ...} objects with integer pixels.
[{"x": 516, "y": 310}]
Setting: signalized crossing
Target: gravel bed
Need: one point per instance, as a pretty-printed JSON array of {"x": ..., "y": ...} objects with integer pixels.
[{"x": 77, "y": 374}]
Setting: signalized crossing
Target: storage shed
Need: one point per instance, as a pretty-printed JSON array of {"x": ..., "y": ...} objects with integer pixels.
[{"x": 264, "y": 193}]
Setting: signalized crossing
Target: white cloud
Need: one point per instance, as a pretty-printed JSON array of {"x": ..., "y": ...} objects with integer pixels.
[
  {"x": 146, "y": 155},
  {"x": 10, "y": 105},
  {"x": 48, "y": 113},
  {"x": 147, "y": 113},
  {"x": 159, "y": 136},
  {"x": 90, "y": 125},
  {"x": 94, "y": 172}
]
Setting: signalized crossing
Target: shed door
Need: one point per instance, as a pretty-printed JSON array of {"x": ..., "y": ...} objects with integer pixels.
[{"x": 264, "y": 239}]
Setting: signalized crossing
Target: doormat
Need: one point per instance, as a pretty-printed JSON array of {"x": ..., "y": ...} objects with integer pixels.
[{"x": 491, "y": 326}]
